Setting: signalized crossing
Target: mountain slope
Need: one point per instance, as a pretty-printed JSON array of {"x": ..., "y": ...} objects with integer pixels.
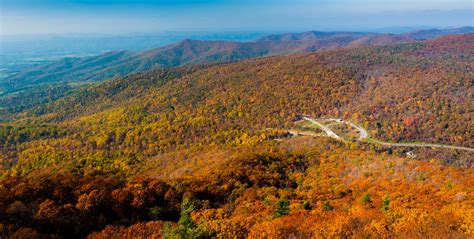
[
  {"x": 194, "y": 52},
  {"x": 408, "y": 92},
  {"x": 205, "y": 151}
]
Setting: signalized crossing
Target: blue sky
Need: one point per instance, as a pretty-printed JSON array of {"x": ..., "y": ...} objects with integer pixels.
[{"x": 147, "y": 16}]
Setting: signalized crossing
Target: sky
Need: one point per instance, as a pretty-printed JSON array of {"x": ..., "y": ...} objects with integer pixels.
[{"x": 148, "y": 16}]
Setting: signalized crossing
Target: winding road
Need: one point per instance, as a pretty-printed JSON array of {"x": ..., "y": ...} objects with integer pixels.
[
  {"x": 323, "y": 127},
  {"x": 364, "y": 136}
]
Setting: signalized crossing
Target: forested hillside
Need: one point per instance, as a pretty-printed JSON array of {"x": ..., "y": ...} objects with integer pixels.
[
  {"x": 300, "y": 188},
  {"x": 205, "y": 150},
  {"x": 120, "y": 63}
]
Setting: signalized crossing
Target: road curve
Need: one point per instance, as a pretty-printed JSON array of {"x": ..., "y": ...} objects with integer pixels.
[
  {"x": 363, "y": 132},
  {"x": 364, "y": 136},
  {"x": 326, "y": 129}
]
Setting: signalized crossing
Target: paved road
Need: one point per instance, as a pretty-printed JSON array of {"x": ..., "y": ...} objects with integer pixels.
[
  {"x": 304, "y": 133},
  {"x": 327, "y": 130},
  {"x": 362, "y": 132},
  {"x": 364, "y": 136},
  {"x": 421, "y": 145}
]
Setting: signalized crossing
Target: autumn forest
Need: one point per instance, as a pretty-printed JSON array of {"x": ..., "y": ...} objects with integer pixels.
[{"x": 208, "y": 150}]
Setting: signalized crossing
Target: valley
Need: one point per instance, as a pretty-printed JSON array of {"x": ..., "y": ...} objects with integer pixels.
[
  {"x": 117, "y": 62},
  {"x": 204, "y": 146}
]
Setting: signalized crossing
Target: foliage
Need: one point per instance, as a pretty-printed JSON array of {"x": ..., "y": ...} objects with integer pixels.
[
  {"x": 203, "y": 152},
  {"x": 229, "y": 199},
  {"x": 282, "y": 207},
  {"x": 385, "y": 203},
  {"x": 327, "y": 206},
  {"x": 366, "y": 199}
]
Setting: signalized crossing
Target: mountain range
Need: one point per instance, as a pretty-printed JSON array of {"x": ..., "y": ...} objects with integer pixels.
[
  {"x": 284, "y": 146},
  {"x": 120, "y": 63}
]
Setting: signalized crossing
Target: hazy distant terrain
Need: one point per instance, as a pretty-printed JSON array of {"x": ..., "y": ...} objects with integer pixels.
[
  {"x": 248, "y": 119},
  {"x": 274, "y": 134},
  {"x": 120, "y": 63},
  {"x": 22, "y": 53},
  {"x": 210, "y": 150}
]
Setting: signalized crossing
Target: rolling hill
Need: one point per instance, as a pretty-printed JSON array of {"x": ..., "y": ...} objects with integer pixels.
[
  {"x": 121, "y": 63},
  {"x": 202, "y": 151},
  {"x": 407, "y": 92}
]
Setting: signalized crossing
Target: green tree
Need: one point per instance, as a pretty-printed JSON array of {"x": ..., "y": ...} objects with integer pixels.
[
  {"x": 186, "y": 227},
  {"x": 283, "y": 207},
  {"x": 366, "y": 199},
  {"x": 327, "y": 206},
  {"x": 385, "y": 203}
]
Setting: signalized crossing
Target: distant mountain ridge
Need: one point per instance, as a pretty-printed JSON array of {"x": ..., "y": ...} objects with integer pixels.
[
  {"x": 120, "y": 63},
  {"x": 221, "y": 150},
  {"x": 313, "y": 35}
]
